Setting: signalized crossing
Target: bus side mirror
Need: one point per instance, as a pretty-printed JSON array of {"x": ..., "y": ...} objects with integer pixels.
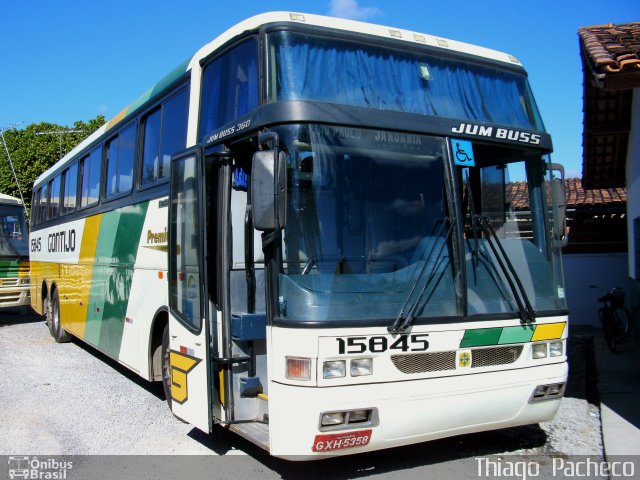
[
  {"x": 268, "y": 190},
  {"x": 559, "y": 197}
]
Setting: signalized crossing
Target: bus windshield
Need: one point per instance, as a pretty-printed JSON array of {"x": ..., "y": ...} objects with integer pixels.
[
  {"x": 13, "y": 235},
  {"x": 369, "y": 226},
  {"x": 507, "y": 213},
  {"x": 338, "y": 71},
  {"x": 365, "y": 208}
]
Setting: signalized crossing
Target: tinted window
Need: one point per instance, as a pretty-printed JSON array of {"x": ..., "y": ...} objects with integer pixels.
[
  {"x": 42, "y": 208},
  {"x": 165, "y": 133},
  {"x": 70, "y": 189},
  {"x": 54, "y": 201},
  {"x": 120, "y": 155},
  {"x": 185, "y": 255},
  {"x": 35, "y": 207},
  {"x": 230, "y": 87},
  {"x": 150, "y": 152},
  {"x": 90, "y": 178}
]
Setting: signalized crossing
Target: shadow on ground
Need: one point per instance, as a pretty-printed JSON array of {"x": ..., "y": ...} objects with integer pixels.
[{"x": 18, "y": 315}]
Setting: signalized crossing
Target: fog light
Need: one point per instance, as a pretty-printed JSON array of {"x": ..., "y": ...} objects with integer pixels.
[
  {"x": 539, "y": 350},
  {"x": 334, "y": 369},
  {"x": 361, "y": 366},
  {"x": 556, "y": 349},
  {"x": 298, "y": 368},
  {"x": 336, "y": 418},
  {"x": 555, "y": 389},
  {"x": 540, "y": 391},
  {"x": 357, "y": 416}
]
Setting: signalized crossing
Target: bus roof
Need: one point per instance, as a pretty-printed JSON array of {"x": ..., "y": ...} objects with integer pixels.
[
  {"x": 257, "y": 21},
  {"x": 8, "y": 199}
]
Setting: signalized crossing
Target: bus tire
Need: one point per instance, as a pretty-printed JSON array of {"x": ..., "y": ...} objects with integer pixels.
[
  {"x": 55, "y": 328},
  {"x": 166, "y": 367}
]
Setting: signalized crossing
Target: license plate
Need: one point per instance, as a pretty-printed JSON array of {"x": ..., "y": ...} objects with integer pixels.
[{"x": 339, "y": 441}]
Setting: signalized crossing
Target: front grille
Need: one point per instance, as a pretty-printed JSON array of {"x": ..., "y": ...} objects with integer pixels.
[
  {"x": 488, "y": 357},
  {"x": 443, "y": 361},
  {"x": 9, "y": 282},
  {"x": 425, "y": 362}
]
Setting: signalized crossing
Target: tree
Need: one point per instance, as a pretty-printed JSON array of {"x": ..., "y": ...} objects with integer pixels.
[{"x": 33, "y": 154}]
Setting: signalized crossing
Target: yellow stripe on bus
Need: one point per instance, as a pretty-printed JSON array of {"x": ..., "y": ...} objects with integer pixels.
[
  {"x": 78, "y": 288},
  {"x": 548, "y": 331}
]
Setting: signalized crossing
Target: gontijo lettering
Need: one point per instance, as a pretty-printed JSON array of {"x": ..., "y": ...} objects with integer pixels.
[{"x": 64, "y": 241}]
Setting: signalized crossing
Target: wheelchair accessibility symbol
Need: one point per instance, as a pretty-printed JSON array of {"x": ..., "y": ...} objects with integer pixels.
[{"x": 462, "y": 152}]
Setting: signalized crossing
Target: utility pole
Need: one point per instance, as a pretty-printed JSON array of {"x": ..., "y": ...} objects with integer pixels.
[
  {"x": 4, "y": 142},
  {"x": 61, "y": 133}
]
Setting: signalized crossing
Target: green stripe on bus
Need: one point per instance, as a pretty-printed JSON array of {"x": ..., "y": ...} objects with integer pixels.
[
  {"x": 171, "y": 77},
  {"x": 95, "y": 332},
  {"x": 119, "y": 279},
  {"x": 480, "y": 337},
  {"x": 518, "y": 334},
  {"x": 9, "y": 268},
  {"x": 112, "y": 276}
]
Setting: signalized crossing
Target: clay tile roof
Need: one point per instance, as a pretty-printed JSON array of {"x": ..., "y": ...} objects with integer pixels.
[
  {"x": 612, "y": 48},
  {"x": 611, "y": 70},
  {"x": 576, "y": 195}
]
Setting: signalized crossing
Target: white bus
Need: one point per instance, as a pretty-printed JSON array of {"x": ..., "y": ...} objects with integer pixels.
[
  {"x": 14, "y": 254},
  {"x": 346, "y": 271}
]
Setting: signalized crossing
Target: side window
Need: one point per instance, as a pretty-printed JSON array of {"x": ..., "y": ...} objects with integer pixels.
[
  {"x": 42, "y": 207},
  {"x": 151, "y": 148},
  {"x": 184, "y": 294},
  {"x": 35, "y": 207},
  {"x": 165, "y": 133},
  {"x": 70, "y": 189},
  {"x": 230, "y": 87},
  {"x": 54, "y": 200},
  {"x": 120, "y": 155},
  {"x": 90, "y": 166}
]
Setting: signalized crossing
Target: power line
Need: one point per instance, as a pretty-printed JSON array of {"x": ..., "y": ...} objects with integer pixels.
[
  {"x": 61, "y": 133},
  {"x": 4, "y": 142}
]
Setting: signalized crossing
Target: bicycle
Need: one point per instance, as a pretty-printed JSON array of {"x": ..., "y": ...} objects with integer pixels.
[{"x": 614, "y": 316}]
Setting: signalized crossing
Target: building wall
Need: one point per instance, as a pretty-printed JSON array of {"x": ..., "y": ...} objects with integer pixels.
[
  {"x": 606, "y": 270},
  {"x": 633, "y": 203}
]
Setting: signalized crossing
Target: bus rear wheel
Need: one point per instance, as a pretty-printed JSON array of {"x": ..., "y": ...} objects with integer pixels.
[{"x": 52, "y": 311}]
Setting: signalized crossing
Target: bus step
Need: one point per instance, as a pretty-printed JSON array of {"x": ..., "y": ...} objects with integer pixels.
[{"x": 255, "y": 432}]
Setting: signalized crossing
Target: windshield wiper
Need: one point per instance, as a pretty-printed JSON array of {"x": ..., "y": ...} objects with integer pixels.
[
  {"x": 402, "y": 322},
  {"x": 526, "y": 311}
]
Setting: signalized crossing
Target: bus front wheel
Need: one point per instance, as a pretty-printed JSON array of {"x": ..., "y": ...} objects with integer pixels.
[{"x": 166, "y": 368}]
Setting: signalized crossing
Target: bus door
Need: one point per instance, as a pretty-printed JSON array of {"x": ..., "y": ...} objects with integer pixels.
[{"x": 190, "y": 327}]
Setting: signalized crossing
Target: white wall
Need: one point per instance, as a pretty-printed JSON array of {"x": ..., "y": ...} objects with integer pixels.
[{"x": 582, "y": 270}]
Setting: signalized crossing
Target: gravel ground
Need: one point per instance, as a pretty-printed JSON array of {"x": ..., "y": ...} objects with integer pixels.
[{"x": 69, "y": 399}]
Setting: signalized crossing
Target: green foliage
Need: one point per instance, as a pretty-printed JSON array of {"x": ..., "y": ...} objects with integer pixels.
[{"x": 32, "y": 154}]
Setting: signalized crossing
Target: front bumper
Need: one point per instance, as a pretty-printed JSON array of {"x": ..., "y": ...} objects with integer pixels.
[{"x": 412, "y": 411}]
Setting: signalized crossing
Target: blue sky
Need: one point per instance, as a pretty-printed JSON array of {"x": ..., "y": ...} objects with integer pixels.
[{"x": 74, "y": 59}]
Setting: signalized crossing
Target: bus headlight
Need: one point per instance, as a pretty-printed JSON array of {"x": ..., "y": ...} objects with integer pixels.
[
  {"x": 24, "y": 281},
  {"x": 361, "y": 366},
  {"x": 334, "y": 369},
  {"x": 556, "y": 349},
  {"x": 298, "y": 368},
  {"x": 539, "y": 350}
]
